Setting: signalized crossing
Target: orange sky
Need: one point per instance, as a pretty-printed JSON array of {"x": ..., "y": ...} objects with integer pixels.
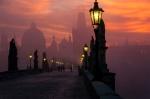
[{"x": 57, "y": 17}]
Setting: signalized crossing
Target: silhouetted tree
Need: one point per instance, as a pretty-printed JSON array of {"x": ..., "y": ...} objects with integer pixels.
[
  {"x": 12, "y": 57},
  {"x": 36, "y": 59}
]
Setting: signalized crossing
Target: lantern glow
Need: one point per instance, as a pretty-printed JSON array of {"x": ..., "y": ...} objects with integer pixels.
[
  {"x": 30, "y": 56},
  {"x": 85, "y": 48},
  {"x": 83, "y": 56},
  {"x": 96, "y": 14},
  {"x": 44, "y": 59}
]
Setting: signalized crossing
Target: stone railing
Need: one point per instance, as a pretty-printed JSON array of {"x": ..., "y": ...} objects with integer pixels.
[{"x": 97, "y": 89}]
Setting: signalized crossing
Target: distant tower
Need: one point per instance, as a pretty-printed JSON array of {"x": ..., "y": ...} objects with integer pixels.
[
  {"x": 53, "y": 48},
  {"x": 80, "y": 35},
  {"x": 63, "y": 49},
  {"x": 66, "y": 49},
  {"x": 70, "y": 49},
  {"x": 81, "y": 21}
]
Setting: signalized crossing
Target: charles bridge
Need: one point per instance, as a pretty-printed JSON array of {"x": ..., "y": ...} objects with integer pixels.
[{"x": 91, "y": 79}]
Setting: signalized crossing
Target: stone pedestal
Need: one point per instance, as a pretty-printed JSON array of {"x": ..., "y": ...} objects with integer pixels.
[{"x": 109, "y": 79}]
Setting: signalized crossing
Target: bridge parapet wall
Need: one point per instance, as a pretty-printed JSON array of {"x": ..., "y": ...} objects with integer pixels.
[{"x": 97, "y": 89}]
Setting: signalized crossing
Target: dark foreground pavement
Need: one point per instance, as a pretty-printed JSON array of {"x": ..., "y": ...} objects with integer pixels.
[{"x": 55, "y": 85}]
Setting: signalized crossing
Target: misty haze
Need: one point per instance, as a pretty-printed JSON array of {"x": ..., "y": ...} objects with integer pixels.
[{"x": 60, "y": 29}]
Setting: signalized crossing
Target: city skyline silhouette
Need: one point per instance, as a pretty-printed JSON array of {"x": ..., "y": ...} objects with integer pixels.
[{"x": 58, "y": 31}]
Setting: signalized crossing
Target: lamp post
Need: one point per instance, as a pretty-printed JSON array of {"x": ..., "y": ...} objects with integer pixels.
[
  {"x": 85, "y": 51},
  {"x": 82, "y": 58},
  {"x": 30, "y": 57},
  {"x": 100, "y": 41},
  {"x": 44, "y": 62},
  {"x": 101, "y": 72}
]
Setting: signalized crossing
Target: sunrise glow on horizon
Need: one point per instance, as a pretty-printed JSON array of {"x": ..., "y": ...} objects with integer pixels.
[{"x": 55, "y": 17}]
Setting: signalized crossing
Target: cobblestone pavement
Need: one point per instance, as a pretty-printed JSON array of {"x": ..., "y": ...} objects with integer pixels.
[{"x": 55, "y": 85}]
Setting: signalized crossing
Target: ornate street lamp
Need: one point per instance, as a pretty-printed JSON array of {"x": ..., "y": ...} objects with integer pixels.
[
  {"x": 82, "y": 56},
  {"x": 30, "y": 57},
  {"x": 85, "y": 48},
  {"x": 96, "y": 14},
  {"x": 85, "y": 56},
  {"x": 100, "y": 41},
  {"x": 100, "y": 70}
]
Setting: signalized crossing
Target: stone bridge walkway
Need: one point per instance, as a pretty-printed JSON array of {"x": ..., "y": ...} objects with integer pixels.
[{"x": 55, "y": 85}]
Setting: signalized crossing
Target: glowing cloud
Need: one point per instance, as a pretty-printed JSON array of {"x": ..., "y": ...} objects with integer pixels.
[{"x": 60, "y": 15}]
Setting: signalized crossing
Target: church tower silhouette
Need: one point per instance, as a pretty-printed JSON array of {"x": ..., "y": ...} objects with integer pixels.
[
  {"x": 80, "y": 34},
  {"x": 52, "y": 50}
]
